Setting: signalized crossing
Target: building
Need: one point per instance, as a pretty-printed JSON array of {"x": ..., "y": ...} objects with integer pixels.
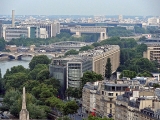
[
  {"x": 102, "y": 97},
  {"x": 1, "y": 29},
  {"x": 59, "y": 73},
  {"x": 14, "y": 33},
  {"x": 152, "y": 53},
  {"x": 120, "y": 18},
  {"x": 89, "y": 97},
  {"x": 136, "y": 105},
  {"x": 52, "y": 28},
  {"x": 75, "y": 69},
  {"x": 25, "y": 32},
  {"x": 69, "y": 71},
  {"x": 57, "y": 70},
  {"x": 100, "y": 55}
]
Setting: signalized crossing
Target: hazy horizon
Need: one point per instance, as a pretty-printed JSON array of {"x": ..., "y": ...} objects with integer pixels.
[{"x": 81, "y": 7}]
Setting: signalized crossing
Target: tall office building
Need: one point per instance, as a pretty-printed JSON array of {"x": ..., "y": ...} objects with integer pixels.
[
  {"x": 0, "y": 28},
  {"x": 75, "y": 69},
  {"x": 13, "y": 18}
]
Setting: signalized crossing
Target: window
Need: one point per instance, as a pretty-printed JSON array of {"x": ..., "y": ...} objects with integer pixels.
[
  {"x": 102, "y": 92},
  {"x": 110, "y": 105},
  {"x": 110, "y": 111},
  {"x": 110, "y": 94},
  {"x": 116, "y": 94}
]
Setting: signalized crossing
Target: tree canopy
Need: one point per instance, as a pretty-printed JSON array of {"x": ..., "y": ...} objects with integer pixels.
[{"x": 41, "y": 59}]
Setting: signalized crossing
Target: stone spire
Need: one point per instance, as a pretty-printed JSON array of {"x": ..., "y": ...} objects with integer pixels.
[
  {"x": 24, "y": 99},
  {"x": 24, "y": 114}
]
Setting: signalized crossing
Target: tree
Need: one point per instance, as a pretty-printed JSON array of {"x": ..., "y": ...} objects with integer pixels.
[
  {"x": 128, "y": 73},
  {"x": 145, "y": 74},
  {"x": 90, "y": 76},
  {"x": 33, "y": 74},
  {"x": 108, "y": 69},
  {"x": 43, "y": 75},
  {"x": 2, "y": 44},
  {"x": 71, "y": 52},
  {"x": 15, "y": 80},
  {"x": 70, "y": 107},
  {"x": 85, "y": 48},
  {"x": 41, "y": 59},
  {"x": 43, "y": 91}
]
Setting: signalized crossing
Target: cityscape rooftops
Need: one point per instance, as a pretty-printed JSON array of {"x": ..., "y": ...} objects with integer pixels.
[{"x": 99, "y": 50}]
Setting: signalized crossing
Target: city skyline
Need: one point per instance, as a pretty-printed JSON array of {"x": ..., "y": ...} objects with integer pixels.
[{"x": 81, "y": 7}]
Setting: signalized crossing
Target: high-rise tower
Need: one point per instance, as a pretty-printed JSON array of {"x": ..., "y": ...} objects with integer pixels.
[
  {"x": 13, "y": 19},
  {"x": 24, "y": 114}
]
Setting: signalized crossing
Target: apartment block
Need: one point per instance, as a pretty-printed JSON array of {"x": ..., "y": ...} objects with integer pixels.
[
  {"x": 152, "y": 53},
  {"x": 137, "y": 105},
  {"x": 100, "y": 55}
]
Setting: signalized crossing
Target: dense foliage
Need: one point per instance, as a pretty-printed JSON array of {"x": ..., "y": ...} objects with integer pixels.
[
  {"x": 41, "y": 59},
  {"x": 71, "y": 52},
  {"x": 119, "y": 31},
  {"x": 42, "y": 91}
]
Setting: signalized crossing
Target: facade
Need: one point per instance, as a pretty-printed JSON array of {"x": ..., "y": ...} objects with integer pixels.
[
  {"x": 52, "y": 28},
  {"x": 89, "y": 97},
  {"x": 14, "y": 33},
  {"x": 104, "y": 96},
  {"x": 152, "y": 53},
  {"x": 59, "y": 73},
  {"x": 75, "y": 69},
  {"x": 100, "y": 55}
]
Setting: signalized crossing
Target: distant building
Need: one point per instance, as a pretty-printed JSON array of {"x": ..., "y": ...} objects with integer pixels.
[
  {"x": 24, "y": 32},
  {"x": 120, "y": 18},
  {"x": 12, "y": 48},
  {"x": 0, "y": 28},
  {"x": 52, "y": 28},
  {"x": 152, "y": 53}
]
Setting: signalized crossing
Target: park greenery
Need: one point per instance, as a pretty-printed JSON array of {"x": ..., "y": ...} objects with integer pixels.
[{"x": 41, "y": 90}]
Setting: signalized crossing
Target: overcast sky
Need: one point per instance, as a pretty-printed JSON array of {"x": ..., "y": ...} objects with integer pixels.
[{"x": 80, "y": 7}]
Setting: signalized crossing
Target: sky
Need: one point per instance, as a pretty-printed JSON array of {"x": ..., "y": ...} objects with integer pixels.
[{"x": 81, "y": 7}]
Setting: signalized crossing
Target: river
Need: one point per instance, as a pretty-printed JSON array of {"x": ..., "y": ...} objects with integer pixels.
[{"x": 7, "y": 64}]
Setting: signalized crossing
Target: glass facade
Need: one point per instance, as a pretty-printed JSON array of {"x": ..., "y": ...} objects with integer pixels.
[{"x": 74, "y": 74}]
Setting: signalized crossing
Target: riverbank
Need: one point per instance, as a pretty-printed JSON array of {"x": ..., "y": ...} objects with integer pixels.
[{"x": 4, "y": 58}]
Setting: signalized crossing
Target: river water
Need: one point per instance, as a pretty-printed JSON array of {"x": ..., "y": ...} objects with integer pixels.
[{"x": 7, "y": 64}]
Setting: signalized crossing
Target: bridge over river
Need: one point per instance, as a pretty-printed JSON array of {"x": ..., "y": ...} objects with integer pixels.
[{"x": 17, "y": 55}]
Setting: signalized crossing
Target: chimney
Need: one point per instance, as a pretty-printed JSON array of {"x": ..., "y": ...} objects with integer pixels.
[{"x": 13, "y": 24}]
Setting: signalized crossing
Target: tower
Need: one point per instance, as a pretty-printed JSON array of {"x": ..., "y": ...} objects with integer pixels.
[
  {"x": 24, "y": 114},
  {"x": 13, "y": 21}
]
